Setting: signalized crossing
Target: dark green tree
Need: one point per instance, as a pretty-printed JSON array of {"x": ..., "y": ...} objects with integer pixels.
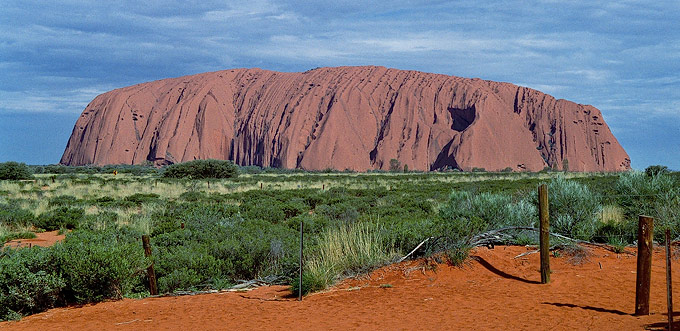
[
  {"x": 14, "y": 171},
  {"x": 654, "y": 170}
]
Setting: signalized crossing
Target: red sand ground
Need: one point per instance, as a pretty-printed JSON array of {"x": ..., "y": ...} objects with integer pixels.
[
  {"x": 493, "y": 291},
  {"x": 43, "y": 239}
]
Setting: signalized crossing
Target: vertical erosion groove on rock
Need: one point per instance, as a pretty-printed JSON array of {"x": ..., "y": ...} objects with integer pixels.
[{"x": 356, "y": 118}]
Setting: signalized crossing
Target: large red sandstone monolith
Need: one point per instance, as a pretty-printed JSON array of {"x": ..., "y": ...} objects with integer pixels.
[{"x": 356, "y": 118}]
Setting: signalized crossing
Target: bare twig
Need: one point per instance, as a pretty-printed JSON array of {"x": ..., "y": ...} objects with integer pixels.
[
  {"x": 527, "y": 253},
  {"x": 415, "y": 249}
]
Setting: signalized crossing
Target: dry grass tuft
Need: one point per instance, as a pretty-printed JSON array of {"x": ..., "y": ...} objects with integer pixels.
[{"x": 576, "y": 254}]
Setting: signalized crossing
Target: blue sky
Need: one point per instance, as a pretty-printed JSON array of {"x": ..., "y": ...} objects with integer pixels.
[{"x": 622, "y": 57}]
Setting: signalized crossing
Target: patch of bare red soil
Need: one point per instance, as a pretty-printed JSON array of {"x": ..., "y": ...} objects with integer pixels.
[
  {"x": 494, "y": 290},
  {"x": 43, "y": 239}
]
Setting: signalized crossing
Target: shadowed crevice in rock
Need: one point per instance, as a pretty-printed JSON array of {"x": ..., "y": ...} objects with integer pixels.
[
  {"x": 444, "y": 159},
  {"x": 462, "y": 118}
]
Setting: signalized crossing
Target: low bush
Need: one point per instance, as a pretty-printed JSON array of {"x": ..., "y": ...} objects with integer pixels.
[
  {"x": 86, "y": 267},
  {"x": 61, "y": 217},
  {"x": 140, "y": 198},
  {"x": 344, "y": 212},
  {"x": 10, "y": 235},
  {"x": 655, "y": 170},
  {"x": 63, "y": 200},
  {"x": 12, "y": 215},
  {"x": 656, "y": 195},
  {"x": 574, "y": 209},
  {"x": 201, "y": 169},
  {"x": 27, "y": 284},
  {"x": 100, "y": 265},
  {"x": 487, "y": 211},
  {"x": 14, "y": 171}
]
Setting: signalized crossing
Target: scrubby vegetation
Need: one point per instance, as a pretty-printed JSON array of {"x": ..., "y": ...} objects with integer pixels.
[
  {"x": 14, "y": 171},
  {"x": 202, "y": 169},
  {"x": 210, "y": 234}
]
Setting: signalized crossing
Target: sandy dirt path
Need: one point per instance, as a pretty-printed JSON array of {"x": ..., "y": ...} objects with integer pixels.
[
  {"x": 493, "y": 290},
  {"x": 43, "y": 239}
]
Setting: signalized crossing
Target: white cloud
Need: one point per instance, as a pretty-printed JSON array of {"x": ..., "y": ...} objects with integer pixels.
[{"x": 622, "y": 57}]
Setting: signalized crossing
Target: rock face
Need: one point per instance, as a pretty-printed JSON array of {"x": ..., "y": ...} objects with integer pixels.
[{"x": 355, "y": 118}]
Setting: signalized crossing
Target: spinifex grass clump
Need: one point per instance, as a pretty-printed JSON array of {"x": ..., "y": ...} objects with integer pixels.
[
  {"x": 574, "y": 209},
  {"x": 342, "y": 251},
  {"x": 655, "y": 194}
]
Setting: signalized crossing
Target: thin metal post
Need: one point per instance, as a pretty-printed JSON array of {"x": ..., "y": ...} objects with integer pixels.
[
  {"x": 544, "y": 238},
  {"x": 302, "y": 224},
  {"x": 669, "y": 282}
]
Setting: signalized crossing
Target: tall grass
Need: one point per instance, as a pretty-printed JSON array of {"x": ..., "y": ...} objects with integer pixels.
[{"x": 343, "y": 251}]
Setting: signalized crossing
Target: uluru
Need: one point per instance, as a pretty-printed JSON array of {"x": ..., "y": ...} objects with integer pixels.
[{"x": 356, "y": 118}]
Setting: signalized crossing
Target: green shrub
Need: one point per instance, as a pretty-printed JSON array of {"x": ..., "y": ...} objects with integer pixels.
[
  {"x": 61, "y": 217},
  {"x": 314, "y": 223},
  {"x": 201, "y": 169},
  {"x": 655, "y": 170},
  {"x": 25, "y": 285},
  {"x": 269, "y": 210},
  {"x": 458, "y": 253},
  {"x": 395, "y": 165},
  {"x": 344, "y": 212},
  {"x": 406, "y": 234},
  {"x": 193, "y": 196},
  {"x": 16, "y": 235},
  {"x": 100, "y": 265},
  {"x": 573, "y": 209},
  {"x": 63, "y": 200},
  {"x": 14, "y": 171},
  {"x": 13, "y": 216},
  {"x": 186, "y": 267},
  {"x": 140, "y": 198},
  {"x": 657, "y": 196},
  {"x": 491, "y": 210}
]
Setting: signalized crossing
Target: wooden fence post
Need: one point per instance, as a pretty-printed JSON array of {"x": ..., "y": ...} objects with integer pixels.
[
  {"x": 544, "y": 227},
  {"x": 644, "y": 264},
  {"x": 153, "y": 287},
  {"x": 302, "y": 224},
  {"x": 669, "y": 287}
]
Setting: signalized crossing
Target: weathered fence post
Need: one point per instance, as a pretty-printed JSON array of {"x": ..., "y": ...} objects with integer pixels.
[
  {"x": 644, "y": 264},
  {"x": 544, "y": 227},
  {"x": 153, "y": 287},
  {"x": 260, "y": 186},
  {"x": 302, "y": 224},
  {"x": 669, "y": 287}
]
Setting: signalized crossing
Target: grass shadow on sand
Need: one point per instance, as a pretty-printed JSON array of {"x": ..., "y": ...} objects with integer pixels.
[
  {"x": 484, "y": 263},
  {"x": 597, "y": 309}
]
